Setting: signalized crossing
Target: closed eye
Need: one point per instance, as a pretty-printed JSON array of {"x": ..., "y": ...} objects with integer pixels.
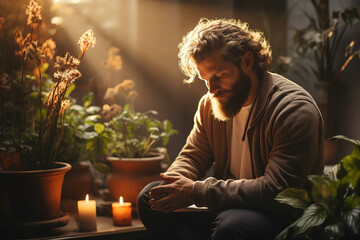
[{"x": 218, "y": 77}]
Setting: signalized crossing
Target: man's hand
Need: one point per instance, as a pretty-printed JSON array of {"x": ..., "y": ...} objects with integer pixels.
[{"x": 174, "y": 193}]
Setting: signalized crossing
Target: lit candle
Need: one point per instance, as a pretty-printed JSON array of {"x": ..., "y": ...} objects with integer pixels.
[
  {"x": 121, "y": 212},
  {"x": 87, "y": 214}
]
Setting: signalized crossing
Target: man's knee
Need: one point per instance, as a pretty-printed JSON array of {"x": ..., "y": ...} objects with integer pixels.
[
  {"x": 224, "y": 228},
  {"x": 146, "y": 215},
  {"x": 246, "y": 224},
  {"x": 144, "y": 197}
]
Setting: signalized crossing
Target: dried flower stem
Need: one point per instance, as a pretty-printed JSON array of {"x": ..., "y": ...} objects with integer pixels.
[
  {"x": 40, "y": 102},
  {"x": 81, "y": 55},
  {"x": 26, "y": 60},
  {"x": 347, "y": 61}
]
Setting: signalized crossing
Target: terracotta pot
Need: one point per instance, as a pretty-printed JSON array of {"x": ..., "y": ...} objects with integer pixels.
[
  {"x": 324, "y": 101},
  {"x": 78, "y": 182},
  {"x": 130, "y": 175},
  {"x": 35, "y": 195}
]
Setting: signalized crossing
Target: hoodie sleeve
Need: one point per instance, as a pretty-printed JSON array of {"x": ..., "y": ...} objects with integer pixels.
[{"x": 196, "y": 156}]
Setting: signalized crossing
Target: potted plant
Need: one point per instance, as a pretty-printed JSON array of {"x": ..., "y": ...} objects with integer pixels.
[
  {"x": 30, "y": 170},
  {"x": 319, "y": 47},
  {"x": 134, "y": 142},
  {"x": 331, "y": 210},
  {"x": 134, "y": 156}
]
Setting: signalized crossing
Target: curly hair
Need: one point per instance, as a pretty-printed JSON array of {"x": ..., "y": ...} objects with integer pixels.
[{"x": 230, "y": 37}]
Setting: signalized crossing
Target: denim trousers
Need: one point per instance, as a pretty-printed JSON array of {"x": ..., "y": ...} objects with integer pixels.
[{"x": 228, "y": 224}]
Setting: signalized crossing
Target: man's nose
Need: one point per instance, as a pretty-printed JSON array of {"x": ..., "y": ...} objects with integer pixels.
[{"x": 212, "y": 86}]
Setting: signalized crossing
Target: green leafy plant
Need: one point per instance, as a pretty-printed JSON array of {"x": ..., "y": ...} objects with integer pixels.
[
  {"x": 135, "y": 133},
  {"x": 78, "y": 128},
  {"x": 97, "y": 145},
  {"x": 331, "y": 210}
]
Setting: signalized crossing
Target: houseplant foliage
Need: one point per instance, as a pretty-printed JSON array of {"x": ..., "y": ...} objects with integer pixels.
[
  {"x": 78, "y": 127},
  {"x": 321, "y": 55},
  {"x": 33, "y": 107},
  {"x": 331, "y": 210},
  {"x": 320, "y": 40},
  {"x": 134, "y": 134}
]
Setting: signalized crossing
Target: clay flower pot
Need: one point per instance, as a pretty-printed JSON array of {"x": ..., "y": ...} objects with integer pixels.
[
  {"x": 35, "y": 195},
  {"x": 130, "y": 175},
  {"x": 78, "y": 182}
]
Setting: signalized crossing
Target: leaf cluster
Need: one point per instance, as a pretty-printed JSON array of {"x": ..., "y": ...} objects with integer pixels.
[
  {"x": 320, "y": 40},
  {"x": 331, "y": 210},
  {"x": 136, "y": 134},
  {"x": 78, "y": 128}
]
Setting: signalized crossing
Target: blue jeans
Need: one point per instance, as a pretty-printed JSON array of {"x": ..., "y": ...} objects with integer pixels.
[{"x": 226, "y": 225}]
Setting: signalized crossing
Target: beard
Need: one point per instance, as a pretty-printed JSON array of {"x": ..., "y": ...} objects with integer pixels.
[{"x": 227, "y": 107}]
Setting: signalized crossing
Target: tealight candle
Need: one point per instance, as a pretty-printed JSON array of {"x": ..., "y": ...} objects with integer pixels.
[
  {"x": 87, "y": 214},
  {"x": 121, "y": 212}
]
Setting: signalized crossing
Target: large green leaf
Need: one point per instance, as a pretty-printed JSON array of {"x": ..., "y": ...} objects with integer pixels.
[
  {"x": 349, "y": 140},
  {"x": 323, "y": 189},
  {"x": 351, "y": 165},
  {"x": 352, "y": 220},
  {"x": 297, "y": 198},
  {"x": 313, "y": 216},
  {"x": 333, "y": 172},
  {"x": 99, "y": 128},
  {"x": 351, "y": 202},
  {"x": 335, "y": 231}
]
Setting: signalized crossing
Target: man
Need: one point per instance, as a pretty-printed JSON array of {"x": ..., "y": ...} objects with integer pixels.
[{"x": 261, "y": 133}]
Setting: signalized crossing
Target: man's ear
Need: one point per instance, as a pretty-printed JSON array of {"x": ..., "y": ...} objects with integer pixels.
[{"x": 247, "y": 61}]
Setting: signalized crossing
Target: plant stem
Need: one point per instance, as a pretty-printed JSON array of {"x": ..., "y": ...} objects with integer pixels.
[
  {"x": 124, "y": 138},
  {"x": 148, "y": 147},
  {"x": 40, "y": 102},
  {"x": 81, "y": 55}
]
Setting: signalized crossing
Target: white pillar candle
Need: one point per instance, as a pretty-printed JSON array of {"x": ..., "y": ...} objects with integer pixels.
[{"x": 87, "y": 215}]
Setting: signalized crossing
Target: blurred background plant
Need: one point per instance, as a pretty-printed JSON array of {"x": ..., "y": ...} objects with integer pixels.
[{"x": 318, "y": 49}]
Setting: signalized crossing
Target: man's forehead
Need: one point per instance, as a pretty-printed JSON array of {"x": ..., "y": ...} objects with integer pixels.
[{"x": 210, "y": 66}]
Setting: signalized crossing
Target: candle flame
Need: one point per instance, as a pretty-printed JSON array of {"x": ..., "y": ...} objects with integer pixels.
[
  {"x": 87, "y": 198},
  {"x": 121, "y": 200}
]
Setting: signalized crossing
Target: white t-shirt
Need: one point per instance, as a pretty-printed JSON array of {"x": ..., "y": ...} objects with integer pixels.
[{"x": 240, "y": 154}]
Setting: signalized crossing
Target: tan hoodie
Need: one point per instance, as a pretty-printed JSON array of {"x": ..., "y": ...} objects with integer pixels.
[{"x": 285, "y": 141}]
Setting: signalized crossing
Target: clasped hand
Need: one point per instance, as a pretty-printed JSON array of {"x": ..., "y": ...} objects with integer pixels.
[{"x": 174, "y": 193}]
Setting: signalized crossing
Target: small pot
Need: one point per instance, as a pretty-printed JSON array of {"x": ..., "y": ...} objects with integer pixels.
[
  {"x": 78, "y": 182},
  {"x": 130, "y": 175}
]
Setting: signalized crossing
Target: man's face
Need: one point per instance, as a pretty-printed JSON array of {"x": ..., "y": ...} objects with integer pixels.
[{"x": 228, "y": 85}]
